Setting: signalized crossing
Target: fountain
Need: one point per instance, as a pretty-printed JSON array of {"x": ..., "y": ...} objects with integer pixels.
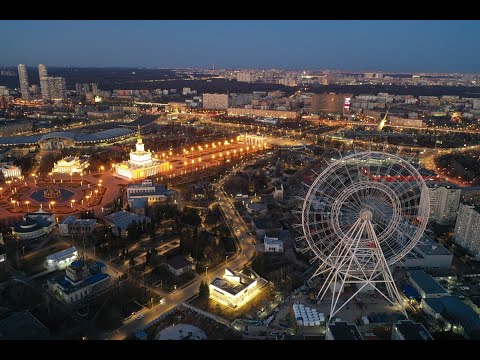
[{"x": 51, "y": 193}]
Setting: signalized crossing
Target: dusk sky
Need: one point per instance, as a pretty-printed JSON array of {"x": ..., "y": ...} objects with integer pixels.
[{"x": 443, "y": 46}]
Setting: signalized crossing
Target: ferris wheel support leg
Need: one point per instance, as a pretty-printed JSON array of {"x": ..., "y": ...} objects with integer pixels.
[{"x": 394, "y": 295}]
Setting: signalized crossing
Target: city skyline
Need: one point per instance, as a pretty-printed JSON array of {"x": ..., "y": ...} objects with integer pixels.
[{"x": 390, "y": 46}]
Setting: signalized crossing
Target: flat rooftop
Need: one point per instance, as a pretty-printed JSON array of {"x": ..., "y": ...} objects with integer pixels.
[
  {"x": 233, "y": 282},
  {"x": 412, "y": 330},
  {"x": 23, "y": 326},
  {"x": 344, "y": 331},
  {"x": 427, "y": 283}
]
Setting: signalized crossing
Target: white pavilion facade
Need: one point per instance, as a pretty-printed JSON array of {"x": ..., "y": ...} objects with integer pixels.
[{"x": 141, "y": 163}]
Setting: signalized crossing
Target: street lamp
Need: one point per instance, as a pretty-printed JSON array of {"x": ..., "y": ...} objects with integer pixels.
[
  {"x": 81, "y": 182},
  {"x": 53, "y": 205},
  {"x": 72, "y": 202},
  {"x": 88, "y": 198},
  {"x": 13, "y": 202},
  {"x": 1, "y": 192},
  {"x": 226, "y": 260},
  {"x": 28, "y": 208},
  {"x": 71, "y": 177}
]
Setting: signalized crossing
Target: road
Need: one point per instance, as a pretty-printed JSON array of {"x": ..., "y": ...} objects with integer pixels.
[{"x": 237, "y": 262}]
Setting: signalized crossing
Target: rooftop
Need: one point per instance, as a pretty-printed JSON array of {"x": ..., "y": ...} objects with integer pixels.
[
  {"x": 23, "y": 326},
  {"x": 342, "y": 330},
  {"x": 412, "y": 331},
  {"x": 124, "y": 218},
  {"x": 233, "y": 282},
  {"x": 268, "y": 223},
  {"x": 62, "y": 254},
  {"x": 74, "y": 136},
  {"x": 427, "y": 283},
  {"x": 178, "y": 262},
  {"x": 442, "y": 184},
  {"x": 454, "y": 310}
]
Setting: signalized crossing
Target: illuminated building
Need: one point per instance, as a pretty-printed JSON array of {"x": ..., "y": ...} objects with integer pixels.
[
  {"x": 56, "y": 88},
  {"x": 215, "y": 101},
  {"x": 71, "y": 164},
  {"x": 80, "y": 281},
  {"x": 73, "y": 226},
  {"x": 141, "y": 163},
  {"x": 444, "y": 202},
  {"x": 409, "y": 330},
  {"x": 148, "y": 192},
  {"x": 467, "y": 229},
  {"x": 330, "y": 103},
  {"x": 61, "y": 259},
  {"x": 23, "y": 77},
  {"x": 34, "y": 225},
  {"x": 44, "y": 89},
  {"x": 283, "y": 114},
  {"x": 259, "y": 141},
  {"x": 235, "y": 289},
  {"x": 244, "y": 77},
  {"x": 11, "y": 171}
]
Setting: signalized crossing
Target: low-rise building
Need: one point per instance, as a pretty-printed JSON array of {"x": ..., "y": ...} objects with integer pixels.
[
  {"x": 256, "y": 209},
  {"x": 73, "y": 226},
  {"x": 427, "y": 255},
  {"x": 342, "y": 330},
  {"x": 261, "y": 226},
  {"x": 34, "y": 225},
  {"x": 235, "y": 288},
  {"x": 426, "y": 285},
  {"x": 409, "y": 330},
  {"x": 71, "y": 164},
  {"x": 81, "y": 280},
  {"x": 62, "y": 259},
  {"x": 23, "y": 326},
  {"x": 454, "y": 312},
  {"x": 273, "y": 241},
  {"x": 120, "y": 221},
  {"x": 149, "y": 192},
  {"x": 179, "y": 265}
]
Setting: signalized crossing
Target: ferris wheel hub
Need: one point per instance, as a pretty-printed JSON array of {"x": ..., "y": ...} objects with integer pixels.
[{"x": 366, "y": 214}]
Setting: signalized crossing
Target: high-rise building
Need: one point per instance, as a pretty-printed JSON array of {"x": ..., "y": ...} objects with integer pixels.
[
  {"x": 23, "y": 77},
  {"x": 59, "y": 89},
  {"x": 43, "y": 74},
  {"x": 444, "y": 201},
  {"x": 467, "y": 229},
  {"x": 95, "y": 89},
  {"x": 329, "y": 103},
  {"x": 215, "y": 101},
  {"x": 78, "y": 88},
  {"x": 244, "y": 77},
  {"x": 86, "y": 88}
]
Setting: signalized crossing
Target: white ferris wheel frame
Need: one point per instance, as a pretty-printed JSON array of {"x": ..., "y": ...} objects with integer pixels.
[{"x": 357, "y": 256}]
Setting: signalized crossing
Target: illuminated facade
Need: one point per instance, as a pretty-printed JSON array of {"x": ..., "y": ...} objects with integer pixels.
[
  {"x": 259, "y": 141},
  {"x": 23, "y": 78},
  {"x": 235, "y": 289},
  {"x": 141, "y": 163},
  {"x": 71, "y": 164},
  {"x": 11, "y": 171}
]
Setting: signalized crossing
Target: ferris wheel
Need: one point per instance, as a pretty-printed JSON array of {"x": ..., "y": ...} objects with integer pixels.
[{"x": 361, "y": 215}]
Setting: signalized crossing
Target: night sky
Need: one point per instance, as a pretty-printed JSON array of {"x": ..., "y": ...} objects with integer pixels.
[{"x": 409, "y": 46}]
